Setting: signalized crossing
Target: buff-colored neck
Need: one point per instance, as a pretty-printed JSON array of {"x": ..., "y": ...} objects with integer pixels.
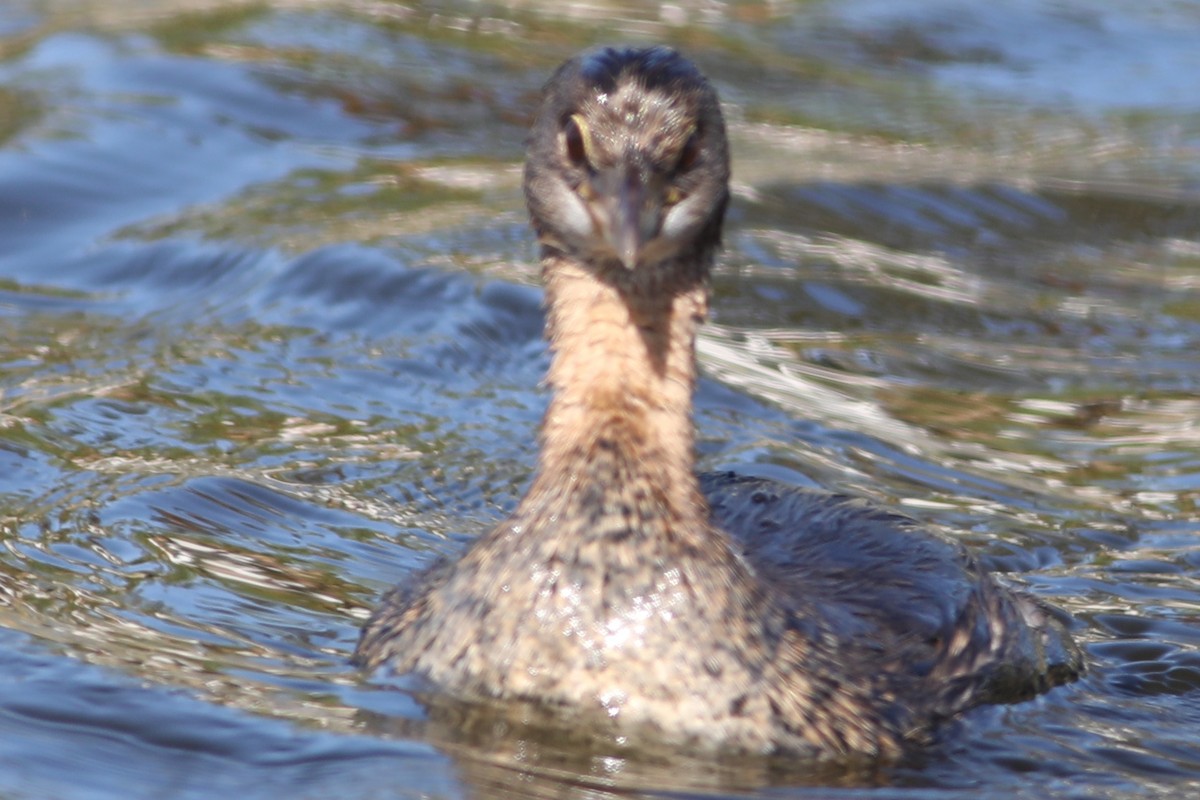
[{"x": 623, "y": 374}]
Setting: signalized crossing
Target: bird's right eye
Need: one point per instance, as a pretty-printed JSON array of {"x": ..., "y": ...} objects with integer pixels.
[{"x": 575, "y": 140}]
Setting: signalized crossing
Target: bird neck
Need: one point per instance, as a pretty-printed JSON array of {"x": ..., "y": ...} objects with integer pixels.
[{"x": 618, "y": 431}]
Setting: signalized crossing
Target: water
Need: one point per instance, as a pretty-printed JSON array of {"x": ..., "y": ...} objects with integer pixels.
[{"x": 270, "y": 339}]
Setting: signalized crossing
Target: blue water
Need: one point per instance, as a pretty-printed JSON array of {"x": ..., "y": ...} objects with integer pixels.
[{"x": 270, "y": 339}]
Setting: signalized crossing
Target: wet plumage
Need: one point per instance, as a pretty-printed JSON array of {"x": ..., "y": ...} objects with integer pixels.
[{"x": 715, "y": 613}]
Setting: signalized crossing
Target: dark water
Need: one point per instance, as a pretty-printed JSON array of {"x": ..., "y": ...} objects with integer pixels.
[{"x": 270, "y": 338}]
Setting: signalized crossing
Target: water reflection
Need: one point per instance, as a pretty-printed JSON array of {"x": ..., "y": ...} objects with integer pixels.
[{"x": 269, "y": 340}]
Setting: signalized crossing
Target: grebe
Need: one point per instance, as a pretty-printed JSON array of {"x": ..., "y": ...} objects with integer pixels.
[{"x": 718, "y": 612}]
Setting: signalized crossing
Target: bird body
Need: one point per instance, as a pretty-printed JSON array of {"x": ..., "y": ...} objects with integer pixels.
[{"x": 720, "y": 612}]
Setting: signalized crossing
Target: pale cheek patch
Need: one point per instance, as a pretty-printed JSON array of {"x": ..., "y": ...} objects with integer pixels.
[
  {"x": 681, "y": 219},
  {"x": 573, "y": 214}
]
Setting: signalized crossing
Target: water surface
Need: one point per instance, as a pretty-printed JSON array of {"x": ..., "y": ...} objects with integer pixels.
[{"x": 270, "y": 339}]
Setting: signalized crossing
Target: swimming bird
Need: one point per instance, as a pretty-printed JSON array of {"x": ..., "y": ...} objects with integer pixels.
[{"x": 718, "y": 612}]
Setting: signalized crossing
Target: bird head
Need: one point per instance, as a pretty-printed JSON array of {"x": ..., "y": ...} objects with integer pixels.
[{"x": 628, "y": 162}]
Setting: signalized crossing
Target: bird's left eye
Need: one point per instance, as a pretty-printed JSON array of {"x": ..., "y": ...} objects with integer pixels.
[{"x": 690, "y": 154}]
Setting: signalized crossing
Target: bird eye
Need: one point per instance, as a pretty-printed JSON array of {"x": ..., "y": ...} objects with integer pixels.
[
  {"x": 575, "y": 140},
  {"x": 690, "y": 154}
]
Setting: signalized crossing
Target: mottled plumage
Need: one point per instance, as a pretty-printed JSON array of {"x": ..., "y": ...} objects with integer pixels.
[{"x": 723, "y": 613}]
